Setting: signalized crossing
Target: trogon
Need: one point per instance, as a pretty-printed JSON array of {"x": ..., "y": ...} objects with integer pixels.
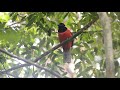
[{"x": 63, "y": 34}]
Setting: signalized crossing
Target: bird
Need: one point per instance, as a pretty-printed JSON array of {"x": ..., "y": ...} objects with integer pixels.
[{"x": 64, "y": 33}]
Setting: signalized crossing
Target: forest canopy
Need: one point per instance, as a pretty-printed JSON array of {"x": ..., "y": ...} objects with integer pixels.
[{"x": 30, "y": 47}]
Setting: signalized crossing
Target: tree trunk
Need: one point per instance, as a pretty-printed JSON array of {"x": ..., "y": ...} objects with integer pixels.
[{"x": 105, "y": 22}]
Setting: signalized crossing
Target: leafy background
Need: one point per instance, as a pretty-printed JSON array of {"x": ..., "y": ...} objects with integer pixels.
[{"x": 30, "y": 34}]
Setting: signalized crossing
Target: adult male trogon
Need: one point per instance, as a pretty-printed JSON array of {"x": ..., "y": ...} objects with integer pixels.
[{"x": 63, "y": 34}]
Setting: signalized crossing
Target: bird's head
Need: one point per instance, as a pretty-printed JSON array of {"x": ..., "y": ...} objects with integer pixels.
[{"x": 62, "y": 27}]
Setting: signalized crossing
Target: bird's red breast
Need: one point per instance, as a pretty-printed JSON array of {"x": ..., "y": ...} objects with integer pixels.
[{"x": 63, "y": 36}]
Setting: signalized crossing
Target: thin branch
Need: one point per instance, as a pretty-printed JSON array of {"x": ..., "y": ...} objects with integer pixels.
[
  {"x": 97, "y": 31},
  {"x": 86, "y": 31},
  {"x": 13, "y": 68},
  {"x": 32, "y": 63}
]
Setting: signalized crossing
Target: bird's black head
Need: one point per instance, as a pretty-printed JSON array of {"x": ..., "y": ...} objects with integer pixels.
[{"x": 61, "y": 27}]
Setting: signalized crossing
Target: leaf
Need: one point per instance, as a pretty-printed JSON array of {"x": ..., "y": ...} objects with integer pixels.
[
  {"x": 2, "y": 59},
  {"x": 65, "y": 15},
  {"x": 49, "y": 32},
  {"x": 96, "y": 50},
  {"x": 53, "y": 57},
  {"x": 34, "y": 47},
  {"x": 86, "y": 45},
  {"x": 2, "y": 25},
  {"x": 86, "y": 70},
  {"x": 77, "y": 65},
  {"x": 14, "y": 16},
  {"x": 30, "y": 21},
  {"x": 28, "y": 56},
  {"x": 91, "y": 41},
  {"x": 42, "y": 42}
]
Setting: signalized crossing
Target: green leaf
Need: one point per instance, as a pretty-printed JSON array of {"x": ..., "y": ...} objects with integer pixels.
[
  {"x": 91, "y": 41},
  {"x": 14, "y": 16}
]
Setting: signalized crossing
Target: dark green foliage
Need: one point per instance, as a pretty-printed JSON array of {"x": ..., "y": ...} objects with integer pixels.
[{"x": 37, "y": 34}]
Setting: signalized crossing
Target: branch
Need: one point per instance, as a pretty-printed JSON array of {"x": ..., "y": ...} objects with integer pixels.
[
  {"x": 70, "y": 39},
  {"x": 9, "y": 74},
  {"x": 12, "y": 75},
  {"x": 13, "y": 68},
  {"x": 32, "y": 63},
  {"x": 86, "y": 31}
]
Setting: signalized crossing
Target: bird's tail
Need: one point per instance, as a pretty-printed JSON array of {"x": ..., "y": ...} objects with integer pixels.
[
  {"x": 67, "y": 56},
  {"x": 69, "y": 65}
]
